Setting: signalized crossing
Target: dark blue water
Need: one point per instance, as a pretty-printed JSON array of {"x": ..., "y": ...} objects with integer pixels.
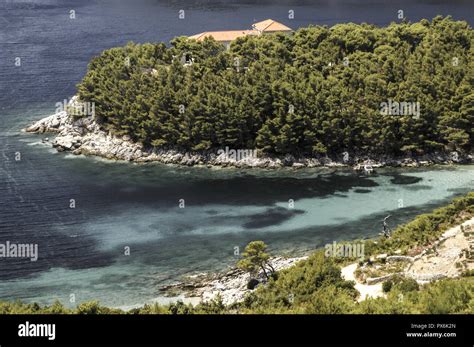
[{"x": 123, "y": 205}]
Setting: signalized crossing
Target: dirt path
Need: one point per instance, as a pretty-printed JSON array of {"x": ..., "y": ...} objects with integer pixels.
[
  {"x": 365, "y": 290},
  {"x": 438, "y": 261}
]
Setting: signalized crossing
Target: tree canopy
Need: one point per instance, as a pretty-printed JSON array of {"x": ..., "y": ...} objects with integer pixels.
[
  {"x": 316, "y": 91},
  {"x": 255, "y": 258}
]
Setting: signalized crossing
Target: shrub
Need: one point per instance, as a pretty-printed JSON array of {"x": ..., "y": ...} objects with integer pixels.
[
  {"x": 387, "y": 286},
  {"x": 407, "y": 285},
  {"x": 252, "y": 283}
]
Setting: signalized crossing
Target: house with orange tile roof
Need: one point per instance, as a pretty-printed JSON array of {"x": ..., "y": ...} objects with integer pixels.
[
  {"x": 270, "y": 26},
  {"x": 226, "y": 37}
]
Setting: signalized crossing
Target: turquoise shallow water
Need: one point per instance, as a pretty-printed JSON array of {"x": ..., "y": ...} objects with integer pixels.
[{"x": 81, "y": 250}]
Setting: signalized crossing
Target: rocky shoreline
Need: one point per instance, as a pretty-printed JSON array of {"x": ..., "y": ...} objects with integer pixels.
[
  {"x": 231, "y": 285},
  {"x": 85, "y": 136},
  {"x": 439, "y": 260}
]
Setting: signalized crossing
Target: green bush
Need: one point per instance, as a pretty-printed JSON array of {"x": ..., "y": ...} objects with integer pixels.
[
  {"x": 468, "y": 273},
  {"x": 387, "y": 286},
  {"x": 252, "y": 283},
  {"x": 407, "y": 285}
]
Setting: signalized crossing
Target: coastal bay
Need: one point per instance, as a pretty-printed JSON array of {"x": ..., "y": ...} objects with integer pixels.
[{"x": 121, "y": 204}]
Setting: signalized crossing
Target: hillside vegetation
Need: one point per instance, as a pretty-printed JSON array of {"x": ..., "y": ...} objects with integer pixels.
[
  {"x": 318, "y": 91},
  {"x": 315, "y": 285}
]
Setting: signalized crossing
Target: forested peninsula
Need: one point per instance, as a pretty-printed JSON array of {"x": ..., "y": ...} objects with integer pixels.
[{"x": 351, "y": 91}]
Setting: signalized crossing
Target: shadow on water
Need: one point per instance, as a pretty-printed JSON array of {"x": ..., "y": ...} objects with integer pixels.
[
  {"x": 57, "y": 231},
  {"x": 198, "y": 253},
  {"x": 256, "y": 190},
  {"x": 273, "y": 216},
  {"x": 405, "y": 179},
  {"x": 179, "y": 255}
]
